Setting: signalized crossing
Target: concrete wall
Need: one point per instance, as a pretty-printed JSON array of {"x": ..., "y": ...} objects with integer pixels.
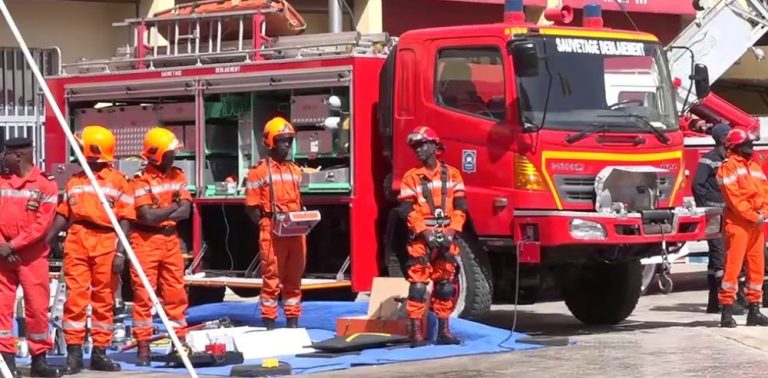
[{"x": 80, "y": 29}]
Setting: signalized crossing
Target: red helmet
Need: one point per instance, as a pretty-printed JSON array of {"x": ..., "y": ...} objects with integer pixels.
[
  {"x": 423, "y": 134},
  {"x": 736, "y": 137}
]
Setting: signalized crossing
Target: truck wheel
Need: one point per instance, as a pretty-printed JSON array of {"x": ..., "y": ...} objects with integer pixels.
[
  {"x": 473, "y": 292},
  {"x": 602, "y": 294}
]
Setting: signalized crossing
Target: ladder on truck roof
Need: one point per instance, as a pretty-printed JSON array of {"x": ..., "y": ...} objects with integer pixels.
[
  {"x": 718, "y": 37},
  {"x": 199, "y": 39}
]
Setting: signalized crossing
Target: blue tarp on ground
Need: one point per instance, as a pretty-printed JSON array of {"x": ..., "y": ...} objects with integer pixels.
[{"x": 320, "y": 320}]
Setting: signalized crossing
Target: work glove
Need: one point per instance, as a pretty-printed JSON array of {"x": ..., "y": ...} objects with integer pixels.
[
  {"x": 176, "y": 197},
  {"x": 14, "y": 258},
  {"x": 450, "y": 234},
  {"x": 430, "y": 236},
  {"x": 118, "y": 263}
]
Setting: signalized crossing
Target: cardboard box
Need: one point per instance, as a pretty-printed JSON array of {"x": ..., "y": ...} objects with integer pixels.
[{"x": 386, "y": 310}]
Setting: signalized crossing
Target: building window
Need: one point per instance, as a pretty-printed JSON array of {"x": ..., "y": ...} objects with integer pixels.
[{"x": 471, "y": 81}]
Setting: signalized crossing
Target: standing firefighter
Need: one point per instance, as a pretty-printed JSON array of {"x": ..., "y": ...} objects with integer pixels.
[
  {"x": 28, "y": 198},
  {"x": 706, "y": 192},
  {"x": 93, "y": 257},
  {"x": 272, "y": 191},
  {"x": 161, "y": 200},
  {"x": 745, "y": 190},
  {"x": 433, "y": 197}
]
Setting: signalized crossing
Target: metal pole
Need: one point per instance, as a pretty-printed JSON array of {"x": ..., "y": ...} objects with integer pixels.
[
  {"x": 334, "y": 16},
  {"x": 83, "y": 163}
]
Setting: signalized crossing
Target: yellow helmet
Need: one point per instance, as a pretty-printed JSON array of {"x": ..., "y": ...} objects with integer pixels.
[
  {"x": 157, "y": 142},
  {"x": 98, "y": 144},
  {"x": 275, "y": 127}
]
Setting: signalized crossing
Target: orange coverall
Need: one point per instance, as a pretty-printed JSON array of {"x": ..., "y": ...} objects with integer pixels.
[
  {"x": 159, "y": 251},
  {"x": 89, "y": 249},
  {"x": 282, "y": 258},
  {"x": 29, "y": 206},
  {"x": 745, "y": 190},
  {"x": 424, "y": 266}
]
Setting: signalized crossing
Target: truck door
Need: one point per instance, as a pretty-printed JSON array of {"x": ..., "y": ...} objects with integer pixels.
[{"x": 467, "y": 95}]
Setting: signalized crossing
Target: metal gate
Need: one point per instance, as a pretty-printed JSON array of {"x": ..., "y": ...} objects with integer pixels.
[{"x": 22, "y": 106}]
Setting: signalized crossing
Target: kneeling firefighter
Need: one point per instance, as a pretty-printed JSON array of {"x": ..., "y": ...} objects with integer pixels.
[
  {"x": 432, "y": 196},
  {"x": 745, "y": 191}
]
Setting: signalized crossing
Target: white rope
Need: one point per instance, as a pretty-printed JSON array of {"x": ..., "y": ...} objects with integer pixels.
[{"x": 99, "y": 192}]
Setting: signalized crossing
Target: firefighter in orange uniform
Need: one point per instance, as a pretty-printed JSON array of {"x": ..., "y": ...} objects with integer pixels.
[
  {"x": 745, "y": 190},
  {"x": 432, "y": 196},
  {"x": 273, "y": 189},
  {"x": 28, "y": 198},
  {"x": 93, "y": 256},
  {"x": 161, "y": 200}
]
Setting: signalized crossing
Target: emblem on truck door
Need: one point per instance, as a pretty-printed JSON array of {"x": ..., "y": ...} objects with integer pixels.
[{"x": 469, "y": 161}]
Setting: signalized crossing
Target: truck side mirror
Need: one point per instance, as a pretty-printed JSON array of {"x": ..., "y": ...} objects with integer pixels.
[
  {"x": 525, "y": 58},
  {"x": 700, "y": 79}
]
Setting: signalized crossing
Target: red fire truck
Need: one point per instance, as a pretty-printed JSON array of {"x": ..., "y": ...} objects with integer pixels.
[{"x": 572, "y": 176}]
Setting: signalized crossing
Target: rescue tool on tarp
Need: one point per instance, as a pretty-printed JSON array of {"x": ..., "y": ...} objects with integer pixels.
[{"x": 99, "y": 191}]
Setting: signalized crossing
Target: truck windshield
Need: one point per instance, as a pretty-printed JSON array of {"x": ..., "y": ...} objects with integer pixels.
[{"x": 584, "y": 83}]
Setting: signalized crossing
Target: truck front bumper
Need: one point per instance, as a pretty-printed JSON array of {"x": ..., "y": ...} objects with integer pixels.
[{"x": 558, "y": 228}]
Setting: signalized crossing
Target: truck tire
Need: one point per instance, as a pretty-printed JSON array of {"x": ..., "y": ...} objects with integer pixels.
[
  {"x": 602, "y": 294},
  {"x": 473, "y": 291}
]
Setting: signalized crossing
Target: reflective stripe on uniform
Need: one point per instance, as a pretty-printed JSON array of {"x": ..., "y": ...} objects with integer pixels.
[
  {"x": 107, "y": 191},
  {"x": 292, "y": 302},
  {"x": 72, "y": 325},
  {"x": 269, "y": 302},
  {"x": 435, "y": 184},
  {"x": 142, "y": 323},
  {"x": 5, "y": 333},
  {"x": 104, "y": 326},
  {"x": 728, "y": 286},
  {"x": 713, "y": 164},
  {"x": 281, "y": 177},
  {"x": 169, "y": 187},
  {"x": 757, "y": 287},
  {"x": 26, "y": 194},
  {"x": 741, "y": 172},
  {"x": 37, "y": 336}
]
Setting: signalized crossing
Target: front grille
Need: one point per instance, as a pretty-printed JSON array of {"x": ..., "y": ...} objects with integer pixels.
[{"x": 581, "y": 189}]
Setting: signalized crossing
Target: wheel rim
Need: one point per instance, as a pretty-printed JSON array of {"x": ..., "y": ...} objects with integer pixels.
[
  {"x": 649, "y": 270},
  {"x": 459, "y": 287}
]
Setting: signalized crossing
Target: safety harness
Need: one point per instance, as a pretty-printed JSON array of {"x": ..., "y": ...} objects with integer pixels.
[{"x": 440, "y": 219}]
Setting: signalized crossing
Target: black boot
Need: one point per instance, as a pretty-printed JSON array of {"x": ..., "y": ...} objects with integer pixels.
[
  {"x": 74, "y": 359},
  {"x": 444, "y": 335},
  {"x": 40, "y": 367},
  {"x": 10, "y": 360},
  {"x": 292, "y": 322},
  {"x": 713, "y": 306},
  {"x": 765, "y": 297},
  {"x": 100, "y": 361},
  {"x": 143, "y": 354},
  {"x": 726, "y": 319},
  {"x": 416, "y": 333},
  {"x": 269, "y": 324},
  {"x": 754, "y": 317},
  {"x": 713, "y": 303}
]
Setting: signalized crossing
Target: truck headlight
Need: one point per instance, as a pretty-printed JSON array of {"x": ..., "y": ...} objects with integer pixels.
[
  {"x": 584, "y": 229},
  {"x": 713, "y": 225}
]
